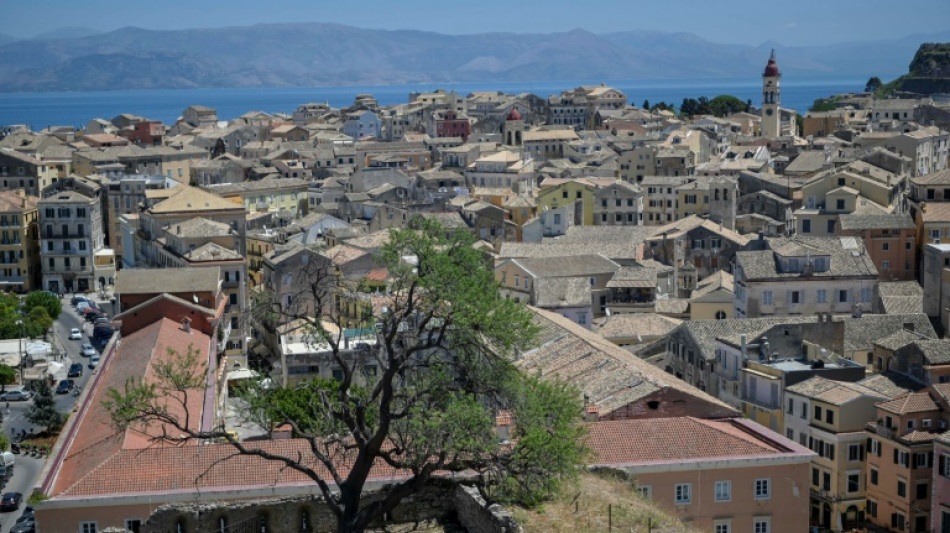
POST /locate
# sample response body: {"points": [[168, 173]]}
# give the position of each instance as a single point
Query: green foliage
{"points": [[4, 442], [424, 401], [873, 84], [36, 497], [52, 304], [7, 376], [43, 412], [823, 104], [646, 105], [719, 106]]}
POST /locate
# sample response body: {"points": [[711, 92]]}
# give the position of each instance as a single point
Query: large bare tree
{"points": [[422, 399]]}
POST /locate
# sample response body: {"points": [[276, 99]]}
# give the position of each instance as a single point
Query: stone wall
{"points": [[475, 515], [441, 500]]}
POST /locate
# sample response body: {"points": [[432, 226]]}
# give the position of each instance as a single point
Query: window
{"points": [[897, 521], [843, 296], [804, 414], [839, 204], [88, 527], [885, 265], [766, 297], [133, 524], [722, 526], [818, 413], [944, 465], [922, 460], [806, 226], [646, 492], [762, 489], [791, 406], [866, 294], [682, 493], [872, 508], [723, 491], [901, 488], [855, 452], [790, 434], [901, 458], [922, 492], [829, 416], [761, 524], [815, 477], [796, 297], [873, 477], [854, 482]]}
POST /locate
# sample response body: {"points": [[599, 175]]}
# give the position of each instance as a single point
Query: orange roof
{"points": [[96, 442], [681, 439], [915, 402]]}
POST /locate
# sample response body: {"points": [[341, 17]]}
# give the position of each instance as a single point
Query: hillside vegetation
{"points": [[593, 504]]}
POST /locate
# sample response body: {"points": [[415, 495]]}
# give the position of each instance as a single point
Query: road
{"points": [[27, 468]]}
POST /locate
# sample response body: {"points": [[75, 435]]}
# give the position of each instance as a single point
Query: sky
{"points": [[791, 23]]}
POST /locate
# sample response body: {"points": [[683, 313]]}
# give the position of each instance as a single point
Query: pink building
{"points": [[940, 500], [724, 476]]}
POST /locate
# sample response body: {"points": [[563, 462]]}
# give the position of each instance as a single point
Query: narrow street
{"points": [[27, 468]]}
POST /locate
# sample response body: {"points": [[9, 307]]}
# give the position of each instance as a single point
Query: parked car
{"points": [[65, 386], [82, 306], [28, 514], [75, 370], [94, 361], [101, 319], [88, 350], [75, 334], [76, 299], [26, 526], [15, 396], [10, 501]]}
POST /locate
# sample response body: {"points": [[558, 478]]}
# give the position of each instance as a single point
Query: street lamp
{"points": [[20, 350]]}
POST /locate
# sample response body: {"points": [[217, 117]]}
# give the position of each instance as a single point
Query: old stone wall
{"points": [[475, 515], [441, 500]]}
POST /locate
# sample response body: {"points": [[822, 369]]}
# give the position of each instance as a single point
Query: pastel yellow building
{"points": [[559, 192], [19, 242]]}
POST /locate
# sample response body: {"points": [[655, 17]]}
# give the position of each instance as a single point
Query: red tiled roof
{"points": [[674, 439], [96, 442], [914, 402], [210, 466]]}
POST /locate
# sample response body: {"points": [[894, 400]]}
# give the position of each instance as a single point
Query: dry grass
{"points": [[583, 508]]}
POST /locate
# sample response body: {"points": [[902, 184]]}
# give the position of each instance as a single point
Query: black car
{"points": [[26, 526], [75, 370], [28, 514], [10, 501], [65, 386]]}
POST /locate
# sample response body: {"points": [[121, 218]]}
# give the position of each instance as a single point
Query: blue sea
{"points": [[39, 110]]}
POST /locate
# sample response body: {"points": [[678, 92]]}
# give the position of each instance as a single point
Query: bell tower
{"points": [[771, 99]]}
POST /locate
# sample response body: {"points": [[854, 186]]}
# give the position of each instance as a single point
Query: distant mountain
{"points": [[4, 39], [331, 54], [66, 32]]}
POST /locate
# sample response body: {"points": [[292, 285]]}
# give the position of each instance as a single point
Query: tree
{"points": [[646, 105], [874, 83], [37, 322], [43, 299], [423, 401], [43, 411], [7, 376]]}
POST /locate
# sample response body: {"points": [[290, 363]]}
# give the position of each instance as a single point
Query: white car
{"points": [[88, 350], [75, 334]]}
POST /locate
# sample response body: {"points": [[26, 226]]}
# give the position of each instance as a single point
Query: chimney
{"points": [[592, 413], [186, 325], [178, 229]]}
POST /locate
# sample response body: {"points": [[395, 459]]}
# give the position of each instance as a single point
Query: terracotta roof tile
{"points": [[677, 439], [915, 402]]}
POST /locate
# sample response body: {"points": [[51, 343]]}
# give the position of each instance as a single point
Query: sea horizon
{"points": [[39, 110]]}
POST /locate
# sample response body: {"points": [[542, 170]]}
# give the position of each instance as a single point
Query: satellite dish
{"points": [[194, 297]]}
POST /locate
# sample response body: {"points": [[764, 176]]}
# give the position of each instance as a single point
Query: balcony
{"points": [[764, 404], [66, 235]]}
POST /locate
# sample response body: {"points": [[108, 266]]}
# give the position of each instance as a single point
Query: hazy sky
{"points": [[789, 22]]}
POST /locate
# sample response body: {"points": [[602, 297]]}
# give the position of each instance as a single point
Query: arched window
{"points": [[720, 315], [304, 520]]}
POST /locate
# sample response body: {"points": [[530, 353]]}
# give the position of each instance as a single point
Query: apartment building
{"points": [[71, 237], [829, 418], [900, 459], [19, 242]]}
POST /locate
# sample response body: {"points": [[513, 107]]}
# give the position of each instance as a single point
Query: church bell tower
{"points": [[771, 99]]}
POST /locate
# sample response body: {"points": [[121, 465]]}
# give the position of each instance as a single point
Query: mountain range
{"points": [[310, 54]]}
